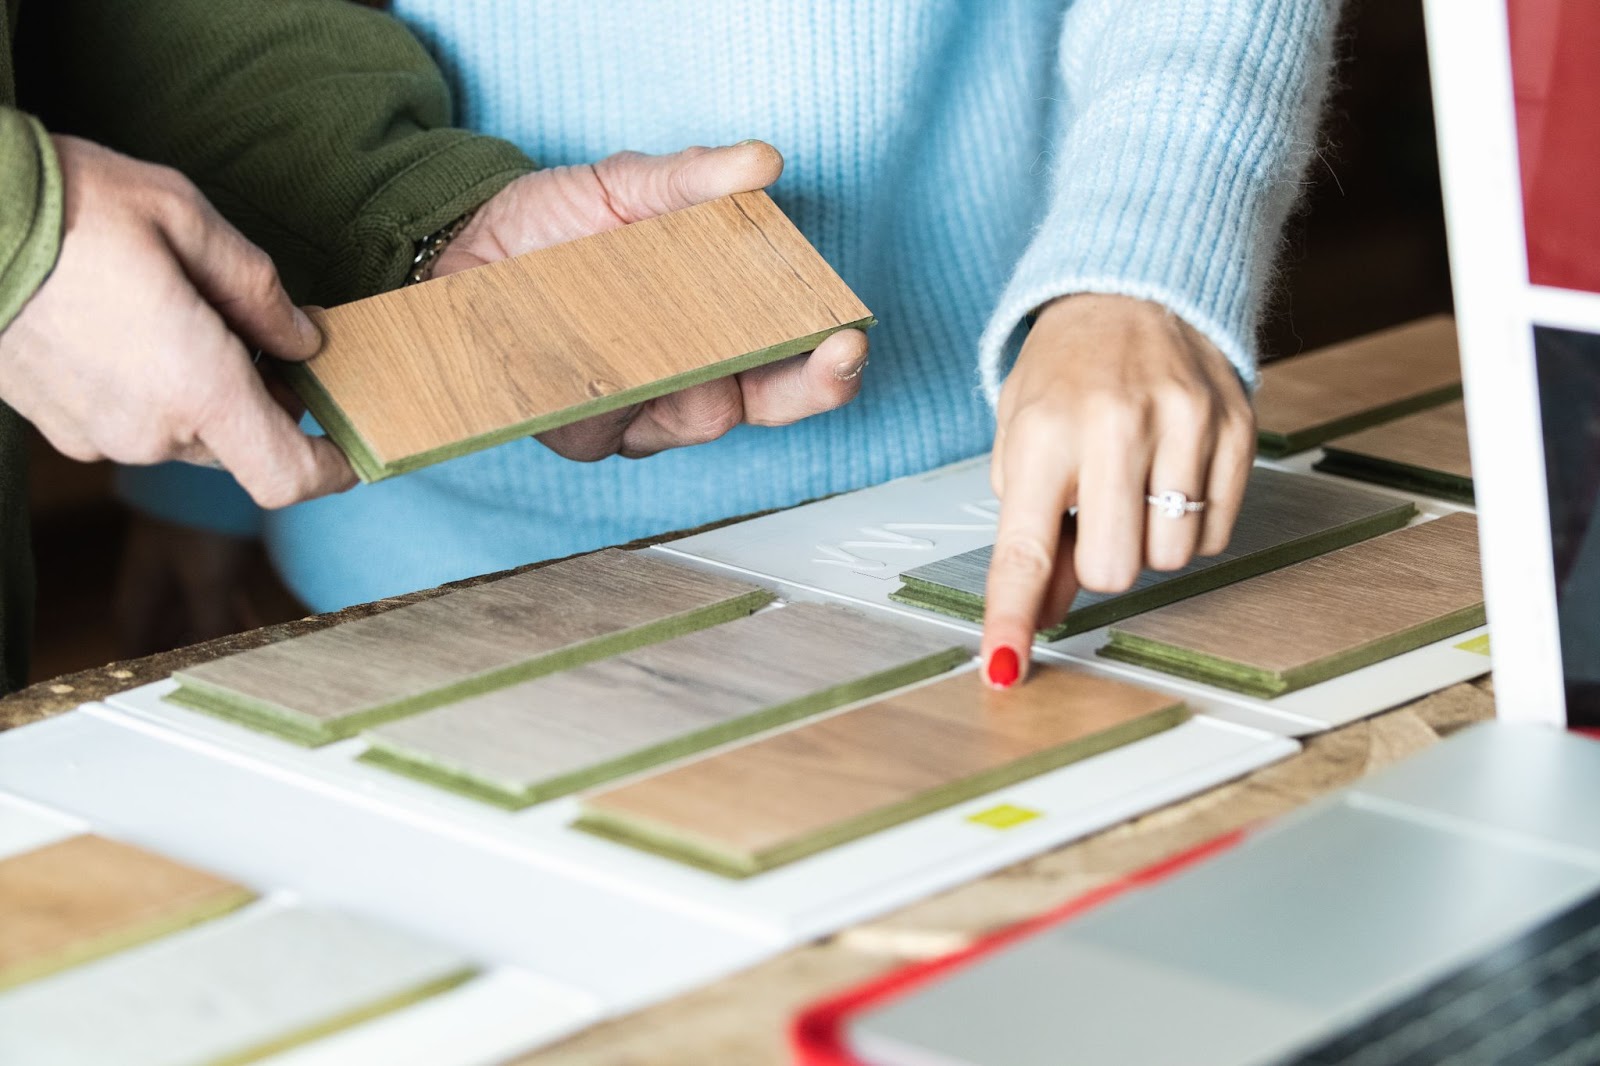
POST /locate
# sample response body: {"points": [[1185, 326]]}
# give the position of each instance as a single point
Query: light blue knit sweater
{"points": [[959, 162]]}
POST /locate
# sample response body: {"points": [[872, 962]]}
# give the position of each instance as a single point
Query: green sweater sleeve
{"points": [[319, 127], [30, 210]]}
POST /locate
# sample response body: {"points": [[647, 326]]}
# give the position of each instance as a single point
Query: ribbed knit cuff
{"points": [[188, 495], [30, 210], [1175, 179], [457, 172]]}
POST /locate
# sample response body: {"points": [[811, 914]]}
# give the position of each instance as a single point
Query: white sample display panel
{"points": [[856, 546]]}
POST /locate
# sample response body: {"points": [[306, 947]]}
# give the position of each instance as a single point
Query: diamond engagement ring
{"points": [[1174, 504]]}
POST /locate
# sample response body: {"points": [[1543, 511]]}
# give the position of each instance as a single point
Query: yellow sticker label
{"points": [[1478, 644], [1005, 816]]}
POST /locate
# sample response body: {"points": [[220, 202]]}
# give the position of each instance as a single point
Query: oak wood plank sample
{"points": [[335, 682], [80, 898], [1284, 518], [1426, 452], [230, 991], [545, 738], [1320, 618], [523, 345], [782, 797], [1307, 399]]}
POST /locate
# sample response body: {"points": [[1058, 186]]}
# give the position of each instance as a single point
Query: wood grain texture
{"points": [[541, 739], [231, 991], [1321, 618], [777, 799], [84, 897], [1284, 518], [1426, 452], [335, 682], [1311, 398], [431, 371]]}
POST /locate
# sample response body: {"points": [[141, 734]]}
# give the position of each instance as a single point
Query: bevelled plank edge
{"points": [[120, 939], [1269, 684], [370, 467], [1397, 475], [706, 854], [291, 725], [464, 781], [1273, 444], [918, 592]]}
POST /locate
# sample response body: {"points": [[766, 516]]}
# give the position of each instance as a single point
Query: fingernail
{"points": [[851, 370], [1003, 667], [748, 140], [309, 333]]}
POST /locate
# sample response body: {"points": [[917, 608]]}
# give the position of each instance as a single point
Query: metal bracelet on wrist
{"points": [[432, 246]]}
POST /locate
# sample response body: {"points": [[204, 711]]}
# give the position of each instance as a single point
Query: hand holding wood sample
{"points": [[1307, 399], [542, 340], [1426, 452], [545, 738], [335, 682], [783, 797], [1285, 518], [1321, 618]]}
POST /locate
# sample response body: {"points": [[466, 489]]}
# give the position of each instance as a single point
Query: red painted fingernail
{"points": [[1003, 667]]}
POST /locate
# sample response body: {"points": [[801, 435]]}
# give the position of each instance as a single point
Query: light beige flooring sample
{"points": [[86, 896], [545, 738], [771, 801], [335, 682], [1307, 399], [1425, 452], [231, 991], [527, 344], [1320, 618]]}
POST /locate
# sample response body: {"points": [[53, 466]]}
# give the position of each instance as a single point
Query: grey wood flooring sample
{"points": [[1284, 518], [1426, 452], [230, 991], [1320, 618], [544, 738], [335, 682]]}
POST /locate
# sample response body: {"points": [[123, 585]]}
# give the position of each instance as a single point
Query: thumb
{"points": [[641, 186], [239, 280]]}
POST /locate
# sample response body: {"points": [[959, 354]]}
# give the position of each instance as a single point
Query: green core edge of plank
{"points": [[291, 725], [514, 798], [706, 855], [1266, 684], [1395, 475], [369, 467], [915, 592]]}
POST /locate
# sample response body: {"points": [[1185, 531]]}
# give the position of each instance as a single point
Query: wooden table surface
{"points": [[743, 1019]]}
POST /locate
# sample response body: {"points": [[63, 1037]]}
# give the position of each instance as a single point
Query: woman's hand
{"points": [[1111, 400], [564, 203]]}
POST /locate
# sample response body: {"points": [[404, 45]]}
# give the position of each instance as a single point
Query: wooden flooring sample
{"points": [[86, 896], [232, 991], [335, 682], [1307, 399], [1425, 452], [1285, 518], [523, 345], [774, 800], [541, 739], [1321, 618]]}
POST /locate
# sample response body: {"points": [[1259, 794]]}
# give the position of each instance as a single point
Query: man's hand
{"points": [[1112, 399], [134, 349], [564, 203]]}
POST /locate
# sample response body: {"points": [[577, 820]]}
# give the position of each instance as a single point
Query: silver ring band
{"points": [[1174, 504]]}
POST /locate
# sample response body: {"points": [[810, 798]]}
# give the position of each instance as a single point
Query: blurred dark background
{"points": [[1367, 250]]}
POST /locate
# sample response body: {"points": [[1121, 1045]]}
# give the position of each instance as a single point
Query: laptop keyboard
{"points": [[1532, 1002]]}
